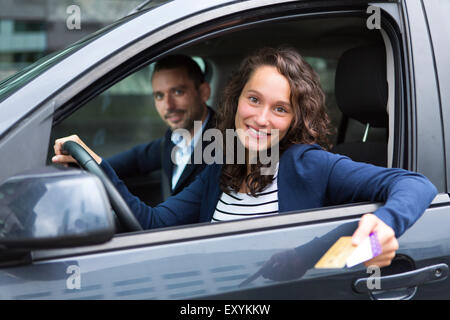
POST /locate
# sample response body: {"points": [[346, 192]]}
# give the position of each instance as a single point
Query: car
{"points": [[383, 66]]}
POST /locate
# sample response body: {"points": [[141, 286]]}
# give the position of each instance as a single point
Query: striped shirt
{"points": [[235, 205]]}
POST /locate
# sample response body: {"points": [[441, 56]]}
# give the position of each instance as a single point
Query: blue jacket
{"points": [[308, 177]]}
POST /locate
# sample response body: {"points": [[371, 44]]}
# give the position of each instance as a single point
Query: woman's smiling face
{"points": [[264, 112]]}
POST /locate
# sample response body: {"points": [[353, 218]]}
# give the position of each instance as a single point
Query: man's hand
{"points": [[386, 237], [61, 157]]}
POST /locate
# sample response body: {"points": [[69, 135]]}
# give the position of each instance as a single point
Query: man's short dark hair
{"points": [[179, 61]]}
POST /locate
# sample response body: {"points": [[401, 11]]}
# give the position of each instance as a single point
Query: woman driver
{"points": [[275, 102]]}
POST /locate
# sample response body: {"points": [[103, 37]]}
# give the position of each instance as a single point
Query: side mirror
{"points": [[54, 208]]}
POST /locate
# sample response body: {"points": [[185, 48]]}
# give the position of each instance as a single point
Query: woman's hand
{"points": [[61, 156], [386, 237]]}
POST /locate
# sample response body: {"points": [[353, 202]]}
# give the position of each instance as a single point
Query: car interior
{"points": [[354, 64]]}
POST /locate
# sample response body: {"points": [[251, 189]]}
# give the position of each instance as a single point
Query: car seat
{"points": [[361, 91]]}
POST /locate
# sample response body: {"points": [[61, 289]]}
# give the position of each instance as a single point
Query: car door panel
{"points": [[173, 271], [340, 285], [228, 266], [425, 100]]}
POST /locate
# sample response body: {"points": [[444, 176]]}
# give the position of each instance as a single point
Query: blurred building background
{"points": [[31, 29]]}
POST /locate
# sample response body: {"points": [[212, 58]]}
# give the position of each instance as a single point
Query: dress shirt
{"points": [[183, 150]]}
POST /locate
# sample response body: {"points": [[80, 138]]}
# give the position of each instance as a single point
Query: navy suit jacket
{"points": [[146, 158], [308, 177]]}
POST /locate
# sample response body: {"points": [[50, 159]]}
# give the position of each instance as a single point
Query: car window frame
{"points": [[437, 22], [422, 103], [189, 232]]}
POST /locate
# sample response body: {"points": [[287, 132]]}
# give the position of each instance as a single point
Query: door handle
{"points": [[413, 278]]}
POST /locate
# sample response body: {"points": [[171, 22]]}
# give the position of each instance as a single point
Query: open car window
{"points": [[123, 115]]}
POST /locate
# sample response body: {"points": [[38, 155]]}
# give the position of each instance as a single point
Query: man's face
{"points": [[178, 101]]}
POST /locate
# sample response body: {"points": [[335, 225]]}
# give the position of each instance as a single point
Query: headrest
{"points": [[361, 86]]}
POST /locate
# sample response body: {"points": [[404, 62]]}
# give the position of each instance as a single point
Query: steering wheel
{"points": [[123, 213]]}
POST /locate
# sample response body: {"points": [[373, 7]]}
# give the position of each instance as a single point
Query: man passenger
{"points": [[180, 93]]}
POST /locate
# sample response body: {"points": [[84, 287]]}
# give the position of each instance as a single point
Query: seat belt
{"points": [[165, 184]]}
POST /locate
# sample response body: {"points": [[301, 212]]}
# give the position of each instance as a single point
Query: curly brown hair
{"points": [[310, 125]]}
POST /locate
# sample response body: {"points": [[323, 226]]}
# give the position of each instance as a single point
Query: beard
{"points": [[194, 114]]}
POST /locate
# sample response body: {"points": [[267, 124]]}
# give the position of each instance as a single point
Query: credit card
{"points": [[369, 248], [336, 256], [343, 253]]}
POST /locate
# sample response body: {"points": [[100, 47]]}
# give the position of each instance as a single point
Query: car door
{"points": [[263, 258], [238, 260], [436, 14]]}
